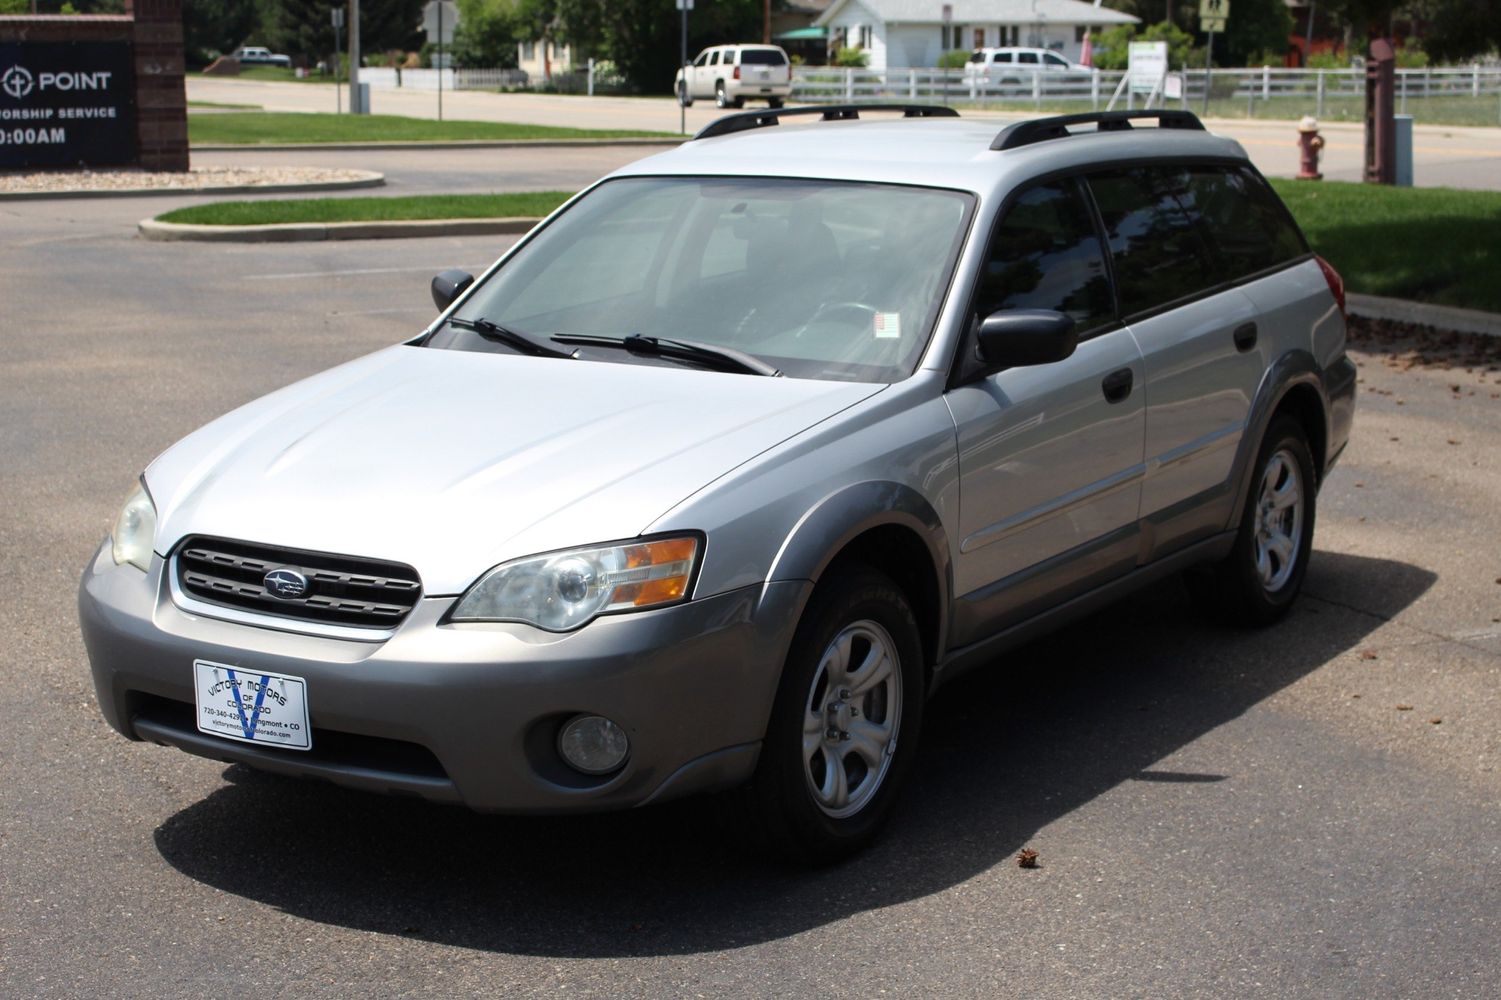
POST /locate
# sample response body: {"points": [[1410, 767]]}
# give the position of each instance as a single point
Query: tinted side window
{"points": [[1158, 251], [1243, 220], [1026, 57], [1046, 255], [762, 57]]}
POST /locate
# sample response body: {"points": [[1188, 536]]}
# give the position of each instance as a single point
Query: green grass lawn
{"points": [[260, 127], [1429, 244], [281, 74], [1436, 245], [437, 206]]}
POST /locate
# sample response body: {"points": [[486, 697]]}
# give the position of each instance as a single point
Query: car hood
{"points": [[454, 461]]}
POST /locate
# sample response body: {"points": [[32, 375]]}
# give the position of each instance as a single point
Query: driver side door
{"points": [[1050, 456]]}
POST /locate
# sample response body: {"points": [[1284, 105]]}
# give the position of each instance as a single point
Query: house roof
{"points": [[985, 12]]}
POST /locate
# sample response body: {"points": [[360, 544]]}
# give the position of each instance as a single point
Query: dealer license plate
{"points": [[252, 706]]}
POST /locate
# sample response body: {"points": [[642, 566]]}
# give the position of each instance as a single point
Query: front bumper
{"points": [[463, 713]]}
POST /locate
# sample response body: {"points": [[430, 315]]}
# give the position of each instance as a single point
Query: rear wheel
{"points": [[683, 97], [773, 102], [1258, 581], [722, 98], [844, 727]]}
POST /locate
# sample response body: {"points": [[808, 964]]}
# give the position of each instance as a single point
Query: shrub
{"points": [[953, 59], [852, 58]]}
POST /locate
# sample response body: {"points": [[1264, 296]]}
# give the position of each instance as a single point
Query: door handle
{"points": [[1117, 385], [1245, 337]]}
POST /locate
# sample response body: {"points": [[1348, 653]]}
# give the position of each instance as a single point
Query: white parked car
{"points": [[256, 55], [731, 73], [1012, 65]]}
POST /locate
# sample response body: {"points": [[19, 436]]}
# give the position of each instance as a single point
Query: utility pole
{"points": [[338, 22], [766, 22], [684, 6], [356, 105], [440, 60]]}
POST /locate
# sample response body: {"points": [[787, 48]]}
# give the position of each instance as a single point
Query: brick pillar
{"points": [[161, 95]]}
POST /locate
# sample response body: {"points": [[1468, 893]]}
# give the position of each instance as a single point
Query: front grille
{"points": [[340, 590]]}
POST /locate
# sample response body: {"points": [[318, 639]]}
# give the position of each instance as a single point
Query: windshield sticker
{"points": [[888, 326]]}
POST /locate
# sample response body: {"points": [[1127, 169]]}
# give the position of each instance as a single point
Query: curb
{"points": [[291, 147], [1423, 314], [370, 180], [307, 232]]}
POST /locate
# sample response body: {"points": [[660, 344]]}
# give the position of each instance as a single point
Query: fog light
{"points": [[593, 744]]}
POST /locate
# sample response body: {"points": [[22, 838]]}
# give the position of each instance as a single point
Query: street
{"points": [[1442, 155], [1309, 810]]}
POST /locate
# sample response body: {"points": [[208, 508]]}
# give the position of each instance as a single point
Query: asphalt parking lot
{"points": [[1310, 810]]}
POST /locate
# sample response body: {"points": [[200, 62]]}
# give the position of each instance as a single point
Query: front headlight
{"points": [[561, 591], [135, 530]]}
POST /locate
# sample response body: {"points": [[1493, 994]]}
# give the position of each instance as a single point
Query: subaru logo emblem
{"points": [[286, 584], [17, 82]]}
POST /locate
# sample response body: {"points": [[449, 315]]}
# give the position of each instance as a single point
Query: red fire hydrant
{"points": [[1309, 143]]}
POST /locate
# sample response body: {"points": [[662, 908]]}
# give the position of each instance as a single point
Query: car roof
{"points": [[931, 152]]}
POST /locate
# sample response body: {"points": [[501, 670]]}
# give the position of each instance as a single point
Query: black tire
{"points": [[848, 602], [683, 97], [1236, 590], [773, 102], [721, 99]]}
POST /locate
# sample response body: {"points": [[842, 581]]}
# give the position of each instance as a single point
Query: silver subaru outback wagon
{"points": [[722, 470]]}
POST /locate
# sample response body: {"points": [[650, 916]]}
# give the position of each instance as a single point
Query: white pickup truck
{"points": [[256, 55]]}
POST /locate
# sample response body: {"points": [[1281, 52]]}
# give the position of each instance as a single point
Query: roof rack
{"points": [[1043, 129], [745, 120]]}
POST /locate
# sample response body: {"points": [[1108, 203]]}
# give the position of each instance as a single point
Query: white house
{"points": [[914, 33]]}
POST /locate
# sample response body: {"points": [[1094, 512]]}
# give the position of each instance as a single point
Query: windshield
{"points": [[820, 279]]}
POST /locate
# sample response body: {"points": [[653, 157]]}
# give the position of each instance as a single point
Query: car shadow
{"points": [[1005, 752]]}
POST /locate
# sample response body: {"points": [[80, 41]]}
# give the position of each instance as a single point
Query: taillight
{"points": [[737, 72], [1336, 284]]}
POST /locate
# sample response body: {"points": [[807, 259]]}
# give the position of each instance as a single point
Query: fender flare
{"points": [[1293, 369], [837, 519]]}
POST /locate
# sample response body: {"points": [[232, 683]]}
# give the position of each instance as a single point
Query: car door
{"points": [[1050, 456], [696, 74], [1199, 337]]}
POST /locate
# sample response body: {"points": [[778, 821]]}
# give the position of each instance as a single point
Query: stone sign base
{"points": [[61, 116]]}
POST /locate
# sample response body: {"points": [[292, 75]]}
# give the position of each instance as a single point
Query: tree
{"points": [[213, 27], [1256, 31], [486, 34], [1459, 30], [305, 27], [642, 36], [1112, 46]]}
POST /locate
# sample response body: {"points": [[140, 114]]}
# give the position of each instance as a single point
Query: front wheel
{"points": [[1258, 581], [845, 723]]}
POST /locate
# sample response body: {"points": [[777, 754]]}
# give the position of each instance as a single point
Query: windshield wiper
{"points": [[491, 330], [725, 359]]}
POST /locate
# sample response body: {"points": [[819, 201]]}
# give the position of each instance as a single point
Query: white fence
{"points": [[1266, 86], [579, 81]]}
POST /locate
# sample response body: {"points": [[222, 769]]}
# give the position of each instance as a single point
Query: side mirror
{"points": [[1016, 338], [449, 285]]}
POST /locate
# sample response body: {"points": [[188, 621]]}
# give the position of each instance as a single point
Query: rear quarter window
{"points": [[762, 57], [1158, 248], [1244, 220]]}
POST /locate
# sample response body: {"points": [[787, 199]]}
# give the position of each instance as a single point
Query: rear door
{"points": [[1050, 456], [1199, 334]]}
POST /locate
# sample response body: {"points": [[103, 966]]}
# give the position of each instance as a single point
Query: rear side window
{"points": [[762, 57], [1045, 254], [1026, 57], [1244, 220], [1157, 248]]}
